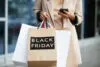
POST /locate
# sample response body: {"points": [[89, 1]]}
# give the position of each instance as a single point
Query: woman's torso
{"points": [[58, 21], [53, 5]]}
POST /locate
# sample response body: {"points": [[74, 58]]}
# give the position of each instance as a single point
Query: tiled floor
{"points": [[91, 53], [90, 50]]}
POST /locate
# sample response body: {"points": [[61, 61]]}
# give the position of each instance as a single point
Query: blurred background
{"points": [[15, 12]]}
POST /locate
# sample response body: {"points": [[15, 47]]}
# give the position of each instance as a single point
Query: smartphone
{"points": [[62, 10]]}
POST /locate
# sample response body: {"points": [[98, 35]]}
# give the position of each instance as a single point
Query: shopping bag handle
{"points": [[40, 26], [46, 24]]}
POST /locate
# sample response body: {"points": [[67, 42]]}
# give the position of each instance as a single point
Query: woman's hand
{"points": [[67, 15], [44, 15]]}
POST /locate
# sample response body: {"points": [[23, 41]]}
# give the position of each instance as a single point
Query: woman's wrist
{"points": [[74, 20], [71, 17]]}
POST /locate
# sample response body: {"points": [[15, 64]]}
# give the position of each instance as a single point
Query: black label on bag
{"points": [[42, 43]]}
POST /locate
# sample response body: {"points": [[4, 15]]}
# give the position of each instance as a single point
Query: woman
{"points": [[52, 11]]}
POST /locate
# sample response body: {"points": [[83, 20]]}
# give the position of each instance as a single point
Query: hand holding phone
{"points": [[66, 14], [62, 10]]}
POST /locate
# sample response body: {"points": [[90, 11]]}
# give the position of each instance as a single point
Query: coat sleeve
{"points": [[37, 9], [37, 6], [79, 11]]}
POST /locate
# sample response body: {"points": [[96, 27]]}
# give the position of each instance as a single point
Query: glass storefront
{"points": [[2, 42], [2, 38], [98, 16], [2, 31], [20, 11], [2, 8]]}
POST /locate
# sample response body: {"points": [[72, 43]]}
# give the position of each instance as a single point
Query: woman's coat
{"points": [[75, 7]]}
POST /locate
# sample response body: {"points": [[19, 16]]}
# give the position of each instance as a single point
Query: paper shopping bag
{"points": [[20, 52], [41, 47]]}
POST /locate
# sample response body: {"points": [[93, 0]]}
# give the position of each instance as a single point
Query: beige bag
{"points": [[44, 51], [41, 47]]}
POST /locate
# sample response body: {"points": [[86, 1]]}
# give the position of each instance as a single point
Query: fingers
{"points": [[64, 15], [47, 15], [70, 15], [44, 16]]}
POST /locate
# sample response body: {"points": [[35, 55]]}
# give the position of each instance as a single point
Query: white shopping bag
{"points": [[20, 53], [62, 41]]}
